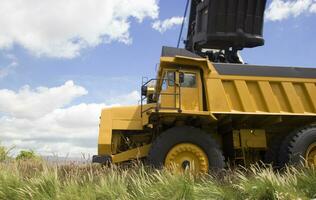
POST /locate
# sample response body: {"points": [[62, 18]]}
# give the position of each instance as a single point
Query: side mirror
{"points": [[181, 77], [144, 90]]}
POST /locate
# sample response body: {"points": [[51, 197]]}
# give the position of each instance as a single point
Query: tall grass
{"points": [[35, 179], [4, 154]]}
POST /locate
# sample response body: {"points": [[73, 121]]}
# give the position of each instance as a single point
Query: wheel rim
{"points": [[187, 156], [311, 155]]}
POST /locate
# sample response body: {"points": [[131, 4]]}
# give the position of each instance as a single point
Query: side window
{"points": [[188, 80], [164, 83], [171, 78]]}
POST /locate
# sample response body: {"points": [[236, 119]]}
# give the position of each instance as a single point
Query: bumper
{"points": [[102, 159]]}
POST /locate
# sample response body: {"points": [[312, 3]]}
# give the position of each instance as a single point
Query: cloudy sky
{"points": [[62, 61]]}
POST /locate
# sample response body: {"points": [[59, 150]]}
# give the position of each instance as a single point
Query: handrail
{"points": [[158, 95]]}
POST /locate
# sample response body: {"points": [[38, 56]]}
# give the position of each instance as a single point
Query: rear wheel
{"points": [[299, 147], [186, 148]]}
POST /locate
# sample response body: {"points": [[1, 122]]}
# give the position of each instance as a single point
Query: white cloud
{"points": [[58, 129], [163, 26], [313, 7], [28, 103], [58, 28], [62, 131], [279, 10]]}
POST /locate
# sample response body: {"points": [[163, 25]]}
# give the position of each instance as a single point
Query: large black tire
{"points": [[186, 134], [295, 145]]}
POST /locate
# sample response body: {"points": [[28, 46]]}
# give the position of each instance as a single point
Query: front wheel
{"points": [[186, 148]]}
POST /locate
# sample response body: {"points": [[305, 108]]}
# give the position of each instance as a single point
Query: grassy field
{"points": [[35, 179], [30, 177]]}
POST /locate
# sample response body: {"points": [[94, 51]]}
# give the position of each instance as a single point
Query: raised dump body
{"points": [[201, 115], [222, 24]]}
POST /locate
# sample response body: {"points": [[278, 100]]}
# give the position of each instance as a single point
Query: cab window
{"points": [[164, 84], [169, 80], [188, 80]]}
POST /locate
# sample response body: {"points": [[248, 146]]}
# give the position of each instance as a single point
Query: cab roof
{"points": [[172, 52]]}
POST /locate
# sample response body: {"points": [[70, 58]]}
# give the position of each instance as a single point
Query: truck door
{"points": [[191, 90], [168, 98]]}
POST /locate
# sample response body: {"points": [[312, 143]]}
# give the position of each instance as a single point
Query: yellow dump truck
{"points": [[206, 110]]}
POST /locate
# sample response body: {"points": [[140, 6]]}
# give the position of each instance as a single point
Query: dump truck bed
{"points": [[255, 89]]}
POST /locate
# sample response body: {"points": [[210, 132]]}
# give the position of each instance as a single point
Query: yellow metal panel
{"points": [[257, 97], [268, 96], [105, 133], [203, 114], [118, 118], [311, 91], [232, 96], [216, 96], [280, 95], [126, 112], [191, 97], [202, 63], [244, 96], [261, 96], [294, 101], [265, 114], [127, 124], [131, 154], [263, 78], [302, 94], [167, 100], [246, 138]]}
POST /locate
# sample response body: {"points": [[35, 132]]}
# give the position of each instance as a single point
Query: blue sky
{"points": [[100, 69], [109, 72]]}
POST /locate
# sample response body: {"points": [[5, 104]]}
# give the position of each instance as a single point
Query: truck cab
{"points": [[182, 89]]}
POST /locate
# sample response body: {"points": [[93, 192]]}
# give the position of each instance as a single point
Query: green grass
{"points": [[27, 155], [4, 154], [33, 178]]}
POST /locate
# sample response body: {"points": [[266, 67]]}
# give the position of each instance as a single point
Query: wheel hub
{"points": [[187, 156], [186, 164], [311, 155]]}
